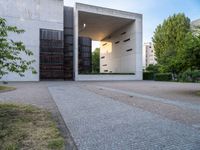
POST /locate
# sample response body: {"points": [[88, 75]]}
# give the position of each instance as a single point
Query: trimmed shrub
{"points": [[148, 76], [153, 68], [196, 75], [163, 77], [190, 76]]}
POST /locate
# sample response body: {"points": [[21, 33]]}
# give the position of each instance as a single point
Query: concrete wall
{"points": [[31, 15], [117, 53]]}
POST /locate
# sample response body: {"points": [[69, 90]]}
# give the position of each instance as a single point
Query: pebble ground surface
{"points": [[118, 116], [123, 115]]}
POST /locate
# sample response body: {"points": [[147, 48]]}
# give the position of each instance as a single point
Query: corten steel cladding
{"points": [[51, 54], [57, 51], [85, 55], [68, 43]]}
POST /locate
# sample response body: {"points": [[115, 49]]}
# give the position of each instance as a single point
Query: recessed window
{"points": [[123, 33], [128, 50], [105, 70], [105, 65], [86, 63], [104, 44], [117, 42], [127, 40], [102, 57]]}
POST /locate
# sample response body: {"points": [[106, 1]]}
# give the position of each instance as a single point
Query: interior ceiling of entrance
{"points": [[98, 27]]}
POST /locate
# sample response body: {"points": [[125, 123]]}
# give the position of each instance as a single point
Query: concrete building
{"points": [[31, 15], [60, 38], [149, 54], [195, 22]]}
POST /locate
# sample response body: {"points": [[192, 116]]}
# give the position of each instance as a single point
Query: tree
{"points": [[190, 56], [152, 68], [169, 42], [11, 51], [96, 60]]}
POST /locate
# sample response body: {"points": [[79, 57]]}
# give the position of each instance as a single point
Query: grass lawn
{"points": [[6, 88], [28, 128], [198, 93]]}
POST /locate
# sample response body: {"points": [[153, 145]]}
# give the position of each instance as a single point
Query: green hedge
{"points": [[148, 76], [163, 77], [196, 75], [190, 76]]}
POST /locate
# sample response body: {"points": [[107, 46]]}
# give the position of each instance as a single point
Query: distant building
{"points": [[195, 22], [149, 54]]}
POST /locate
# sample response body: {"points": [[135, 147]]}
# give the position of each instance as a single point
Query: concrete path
{"points": [[101, 123]]}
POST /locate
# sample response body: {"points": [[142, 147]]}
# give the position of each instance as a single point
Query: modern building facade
{"points": [[195, 22], [60, 38], [150, 57]]}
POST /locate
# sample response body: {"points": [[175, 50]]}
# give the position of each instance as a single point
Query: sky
{"points": [[154, 11]]}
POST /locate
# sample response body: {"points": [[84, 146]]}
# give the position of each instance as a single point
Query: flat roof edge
{"points": [[195, 22], [80, 6]]}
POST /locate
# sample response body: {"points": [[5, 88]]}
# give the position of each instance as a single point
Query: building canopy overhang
{"points": [[99, 26]]}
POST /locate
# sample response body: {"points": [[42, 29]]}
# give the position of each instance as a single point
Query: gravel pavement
{"points": [[100, 122], [123, 115]]}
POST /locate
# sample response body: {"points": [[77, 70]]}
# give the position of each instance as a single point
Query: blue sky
{"points": [[154, 11]]}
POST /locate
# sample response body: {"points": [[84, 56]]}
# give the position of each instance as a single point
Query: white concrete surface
{"points": [[31, 15], [108, 77], [119, 57]]}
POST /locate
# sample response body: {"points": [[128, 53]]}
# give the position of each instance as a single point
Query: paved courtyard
{"points": [[131, 115], [120, 115]]}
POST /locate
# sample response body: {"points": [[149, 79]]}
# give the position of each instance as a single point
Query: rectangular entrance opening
{"points": [[116, 40]]}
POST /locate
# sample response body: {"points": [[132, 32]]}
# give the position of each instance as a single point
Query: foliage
{"points": [[96, 61], [153, 68], [163, 77], [190, 55], [6, 88], [196, 30], [28, 127], [10, 52], [148, 75], [169, 42], [190, 76], [177, 47]]}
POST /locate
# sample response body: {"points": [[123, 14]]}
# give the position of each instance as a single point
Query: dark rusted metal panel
{"points": [[85, 55], [68, 43], [51, 55], [57, 51]]}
